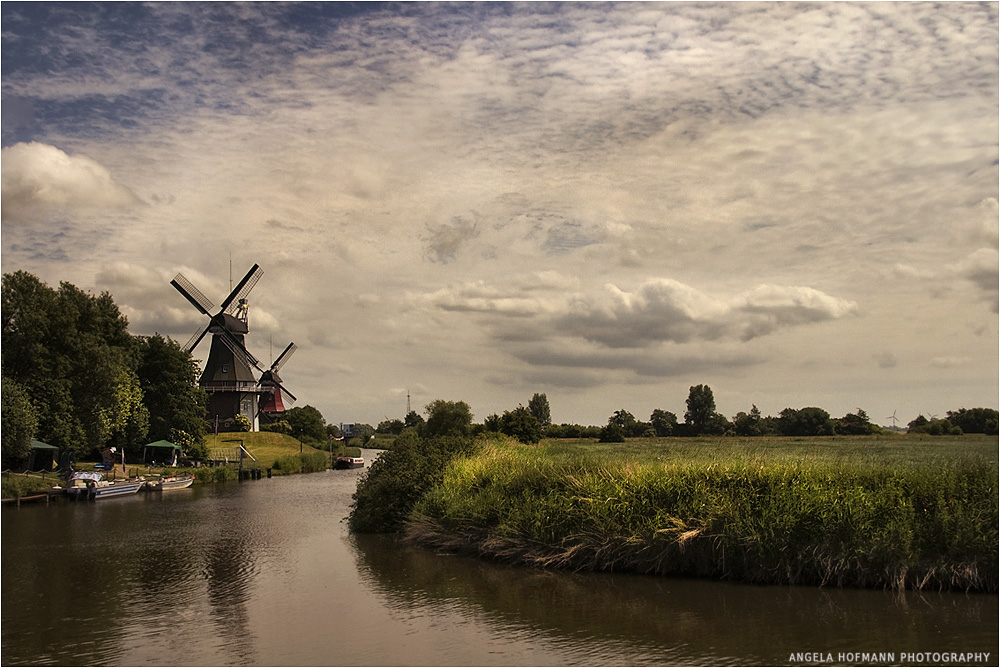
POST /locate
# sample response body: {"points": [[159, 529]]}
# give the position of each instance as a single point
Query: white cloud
{"points": [[474, 197], [38, 178]]}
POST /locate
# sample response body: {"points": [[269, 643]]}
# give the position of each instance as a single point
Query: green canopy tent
{"points": [[42, 456], [169, 452]]}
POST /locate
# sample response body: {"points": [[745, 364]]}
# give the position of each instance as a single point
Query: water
{"points": [[265, 573]]}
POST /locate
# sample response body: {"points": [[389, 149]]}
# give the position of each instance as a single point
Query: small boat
{"points": [[85, 485], [349, 463], [169, 482]]}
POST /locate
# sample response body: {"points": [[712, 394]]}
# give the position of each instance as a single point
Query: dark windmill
{"points": [[228, 377], [274, 398]]}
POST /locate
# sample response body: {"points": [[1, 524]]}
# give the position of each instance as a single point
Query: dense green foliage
{"points": [[539, 409], [19, 420], [859, 513], [90, 382], [447, 418], [522, 424], [168, 377], [399, 478], [306, 424]]}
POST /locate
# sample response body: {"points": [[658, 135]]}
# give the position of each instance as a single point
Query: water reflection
{"points": [[640, 619], [265, 573]]}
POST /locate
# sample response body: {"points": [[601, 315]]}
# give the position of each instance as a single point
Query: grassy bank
{"points": [[279, 452], [891, 512]]}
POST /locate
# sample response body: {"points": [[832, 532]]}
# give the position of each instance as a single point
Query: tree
{"points": [[935, 427], [975, 420], [73, 355], [701, 416], [612, 433], [19, 419], [445, 418], [539, 408], [625, 421], [856, 424], [748, 424], [394, 426], [413, 419], [168, 377], [664, 423], [492, 423], [522, 424], [307, 424], [809, 421]]}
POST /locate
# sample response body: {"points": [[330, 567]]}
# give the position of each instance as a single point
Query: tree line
{"points": [[74, 377], [531, 423]]}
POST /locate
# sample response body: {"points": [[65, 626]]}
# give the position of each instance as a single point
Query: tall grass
{"points": [[744, 514]]}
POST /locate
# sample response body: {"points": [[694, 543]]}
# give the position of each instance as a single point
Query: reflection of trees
{"points": [[671, 620], [228, 571]]}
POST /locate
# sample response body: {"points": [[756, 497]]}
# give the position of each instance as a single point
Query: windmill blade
{"points": [[196, 338], [242, 288], [192, 294], [283, 357], [288, 394], [239, 350]]}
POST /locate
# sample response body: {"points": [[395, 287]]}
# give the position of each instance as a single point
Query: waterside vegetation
{"points": [[892, 511]]}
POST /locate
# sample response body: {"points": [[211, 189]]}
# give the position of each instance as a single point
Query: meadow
{"points": [[893, 511]]}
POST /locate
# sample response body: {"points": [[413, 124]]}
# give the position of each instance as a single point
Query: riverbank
{"points": [[894, 513], [280, 453]]}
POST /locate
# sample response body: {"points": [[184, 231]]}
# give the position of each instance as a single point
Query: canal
{"points": [[266, 573]]}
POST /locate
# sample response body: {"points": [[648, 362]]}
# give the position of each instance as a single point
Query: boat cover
{"points": [[86, 475]]}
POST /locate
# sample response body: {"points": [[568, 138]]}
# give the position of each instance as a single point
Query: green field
{"points": [[893, 511]]}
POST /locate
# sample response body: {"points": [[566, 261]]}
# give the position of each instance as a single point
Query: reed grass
{"points": [[757, 511]]}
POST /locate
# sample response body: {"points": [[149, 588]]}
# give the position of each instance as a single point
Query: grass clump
{"points": [[16, 485], [306, 462], [745, 514]]}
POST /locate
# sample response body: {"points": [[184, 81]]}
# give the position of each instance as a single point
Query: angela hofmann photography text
{"points": [[906, 658]]}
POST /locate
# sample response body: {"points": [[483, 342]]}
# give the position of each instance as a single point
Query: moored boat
{"points": [[170, 482], [86, 485], [349, 463]]}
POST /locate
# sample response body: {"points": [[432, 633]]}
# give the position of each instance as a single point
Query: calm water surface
{"points": [[265, 573]]}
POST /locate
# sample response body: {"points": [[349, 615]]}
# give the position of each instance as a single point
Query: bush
{"points": [[612, 433], [399, 478]]}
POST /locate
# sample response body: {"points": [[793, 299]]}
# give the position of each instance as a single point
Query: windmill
{"points": [[893, 418], [273, 395], [228, 377]]}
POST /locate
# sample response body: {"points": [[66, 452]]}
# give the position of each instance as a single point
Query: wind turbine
{"points": [[893, 418]]}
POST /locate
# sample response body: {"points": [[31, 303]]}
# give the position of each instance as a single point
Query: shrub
{"points": [[241, 423], [612, 433], [399, 478]]}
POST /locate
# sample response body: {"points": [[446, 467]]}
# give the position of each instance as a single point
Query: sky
{"points": [[795, 204]]}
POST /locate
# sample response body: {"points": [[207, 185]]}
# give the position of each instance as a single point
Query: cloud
{"points": [[443, 242], [886, 360], [667, 310], [38, 178], [982, 269]]}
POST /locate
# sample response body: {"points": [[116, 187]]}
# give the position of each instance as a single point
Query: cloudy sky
{"points": [[608, 203]]}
